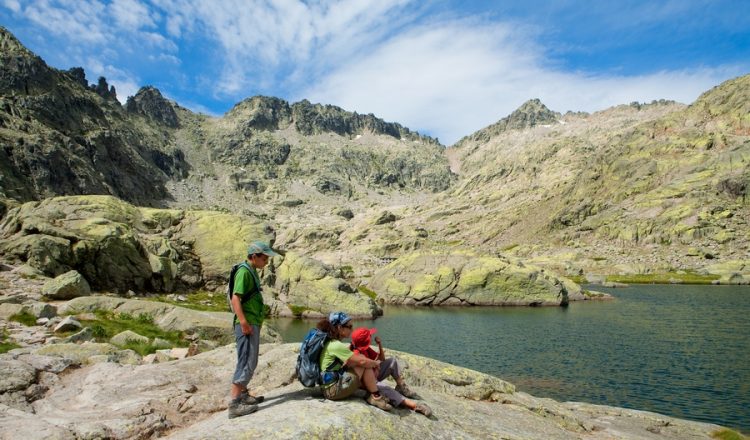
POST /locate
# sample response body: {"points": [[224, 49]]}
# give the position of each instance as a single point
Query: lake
{"points": [[679, 350]]}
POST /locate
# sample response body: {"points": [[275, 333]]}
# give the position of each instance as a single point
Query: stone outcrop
{"points": [[69, 285], [149, 102], [117, 246], [186, 399], [309, 288], [529, 114], [269, 113], [62, 137], [467, 278]]}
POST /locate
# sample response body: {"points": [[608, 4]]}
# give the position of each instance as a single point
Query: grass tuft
{"points": [[24, 318], [5, 345], [107, 324]]}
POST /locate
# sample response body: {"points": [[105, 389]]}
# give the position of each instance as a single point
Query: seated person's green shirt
{"points": [[247, 283], [334, 350]]}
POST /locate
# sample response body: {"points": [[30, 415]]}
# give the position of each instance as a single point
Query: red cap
{"points": [[361, 336]]}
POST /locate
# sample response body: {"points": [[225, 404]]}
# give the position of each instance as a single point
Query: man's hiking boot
{"points": [[237, 409], [247, 399], [381, 402], [422, 408], [405, 391]]}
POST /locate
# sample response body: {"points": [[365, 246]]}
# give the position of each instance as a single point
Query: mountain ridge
{"points": [[594, 188]]}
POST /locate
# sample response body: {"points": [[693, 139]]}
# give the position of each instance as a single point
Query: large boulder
{"points": [[312, 289], [128, 336], [117, 246], [187, 398], [69, 285], [466, 278]]}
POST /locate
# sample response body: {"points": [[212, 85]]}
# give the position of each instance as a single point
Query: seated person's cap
{"points": [[258, 247], [338, 318], [361, 336]]}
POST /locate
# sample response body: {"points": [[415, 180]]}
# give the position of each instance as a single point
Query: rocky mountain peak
{"points": [[262, 112], [149, 102], [9, 44], [529, 114], [730, 99], [269, 113], [21, 71]]}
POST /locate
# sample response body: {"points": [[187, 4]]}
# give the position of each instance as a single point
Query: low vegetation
{"points": [[5, 344], [107, 324], [297, 310], [664, 278], [367, 292], [201, 300], [24, 318]]}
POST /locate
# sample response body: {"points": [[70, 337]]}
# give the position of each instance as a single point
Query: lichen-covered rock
{"points": [[731, 272], [466, 278], [187, 398], [9, 309], [117, 246], [310, 288], [125, 337], [69, 285]]}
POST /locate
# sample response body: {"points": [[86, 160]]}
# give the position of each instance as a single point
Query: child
{"points": [[388, 367]]}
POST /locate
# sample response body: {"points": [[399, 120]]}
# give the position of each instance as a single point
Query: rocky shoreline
{"points": [[70, 398], [54, 387]]}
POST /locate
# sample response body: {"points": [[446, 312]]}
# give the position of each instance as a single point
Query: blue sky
{"points": [[444, 68]]}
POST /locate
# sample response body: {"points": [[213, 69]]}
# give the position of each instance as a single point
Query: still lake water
{"points": [[683, 351]]}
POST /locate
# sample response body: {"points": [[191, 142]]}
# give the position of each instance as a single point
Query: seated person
{"points": [[343, 371], [389, 367]]}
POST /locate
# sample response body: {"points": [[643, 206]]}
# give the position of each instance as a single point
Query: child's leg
{"points": [[394, 397], [409, 404]]}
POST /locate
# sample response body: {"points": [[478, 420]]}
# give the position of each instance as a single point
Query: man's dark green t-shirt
{"points": [[247, 282]]}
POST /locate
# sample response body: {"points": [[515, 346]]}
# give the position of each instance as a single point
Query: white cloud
{"points": [[261, 38], [79, 20], [131, 14], [13, 5], [452, 79]]}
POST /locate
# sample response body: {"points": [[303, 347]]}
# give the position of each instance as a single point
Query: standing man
{"points": [[249, 311]]}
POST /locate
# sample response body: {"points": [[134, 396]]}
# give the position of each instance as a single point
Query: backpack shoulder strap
{"points": [[245, 298]]}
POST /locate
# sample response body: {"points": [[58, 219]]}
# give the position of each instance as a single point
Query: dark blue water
{"points": [[677, 350]]}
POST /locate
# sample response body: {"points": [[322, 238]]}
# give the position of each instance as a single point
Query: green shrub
{"points": [[297, 310], [142, 348], [98, 332], [144, 318]]}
